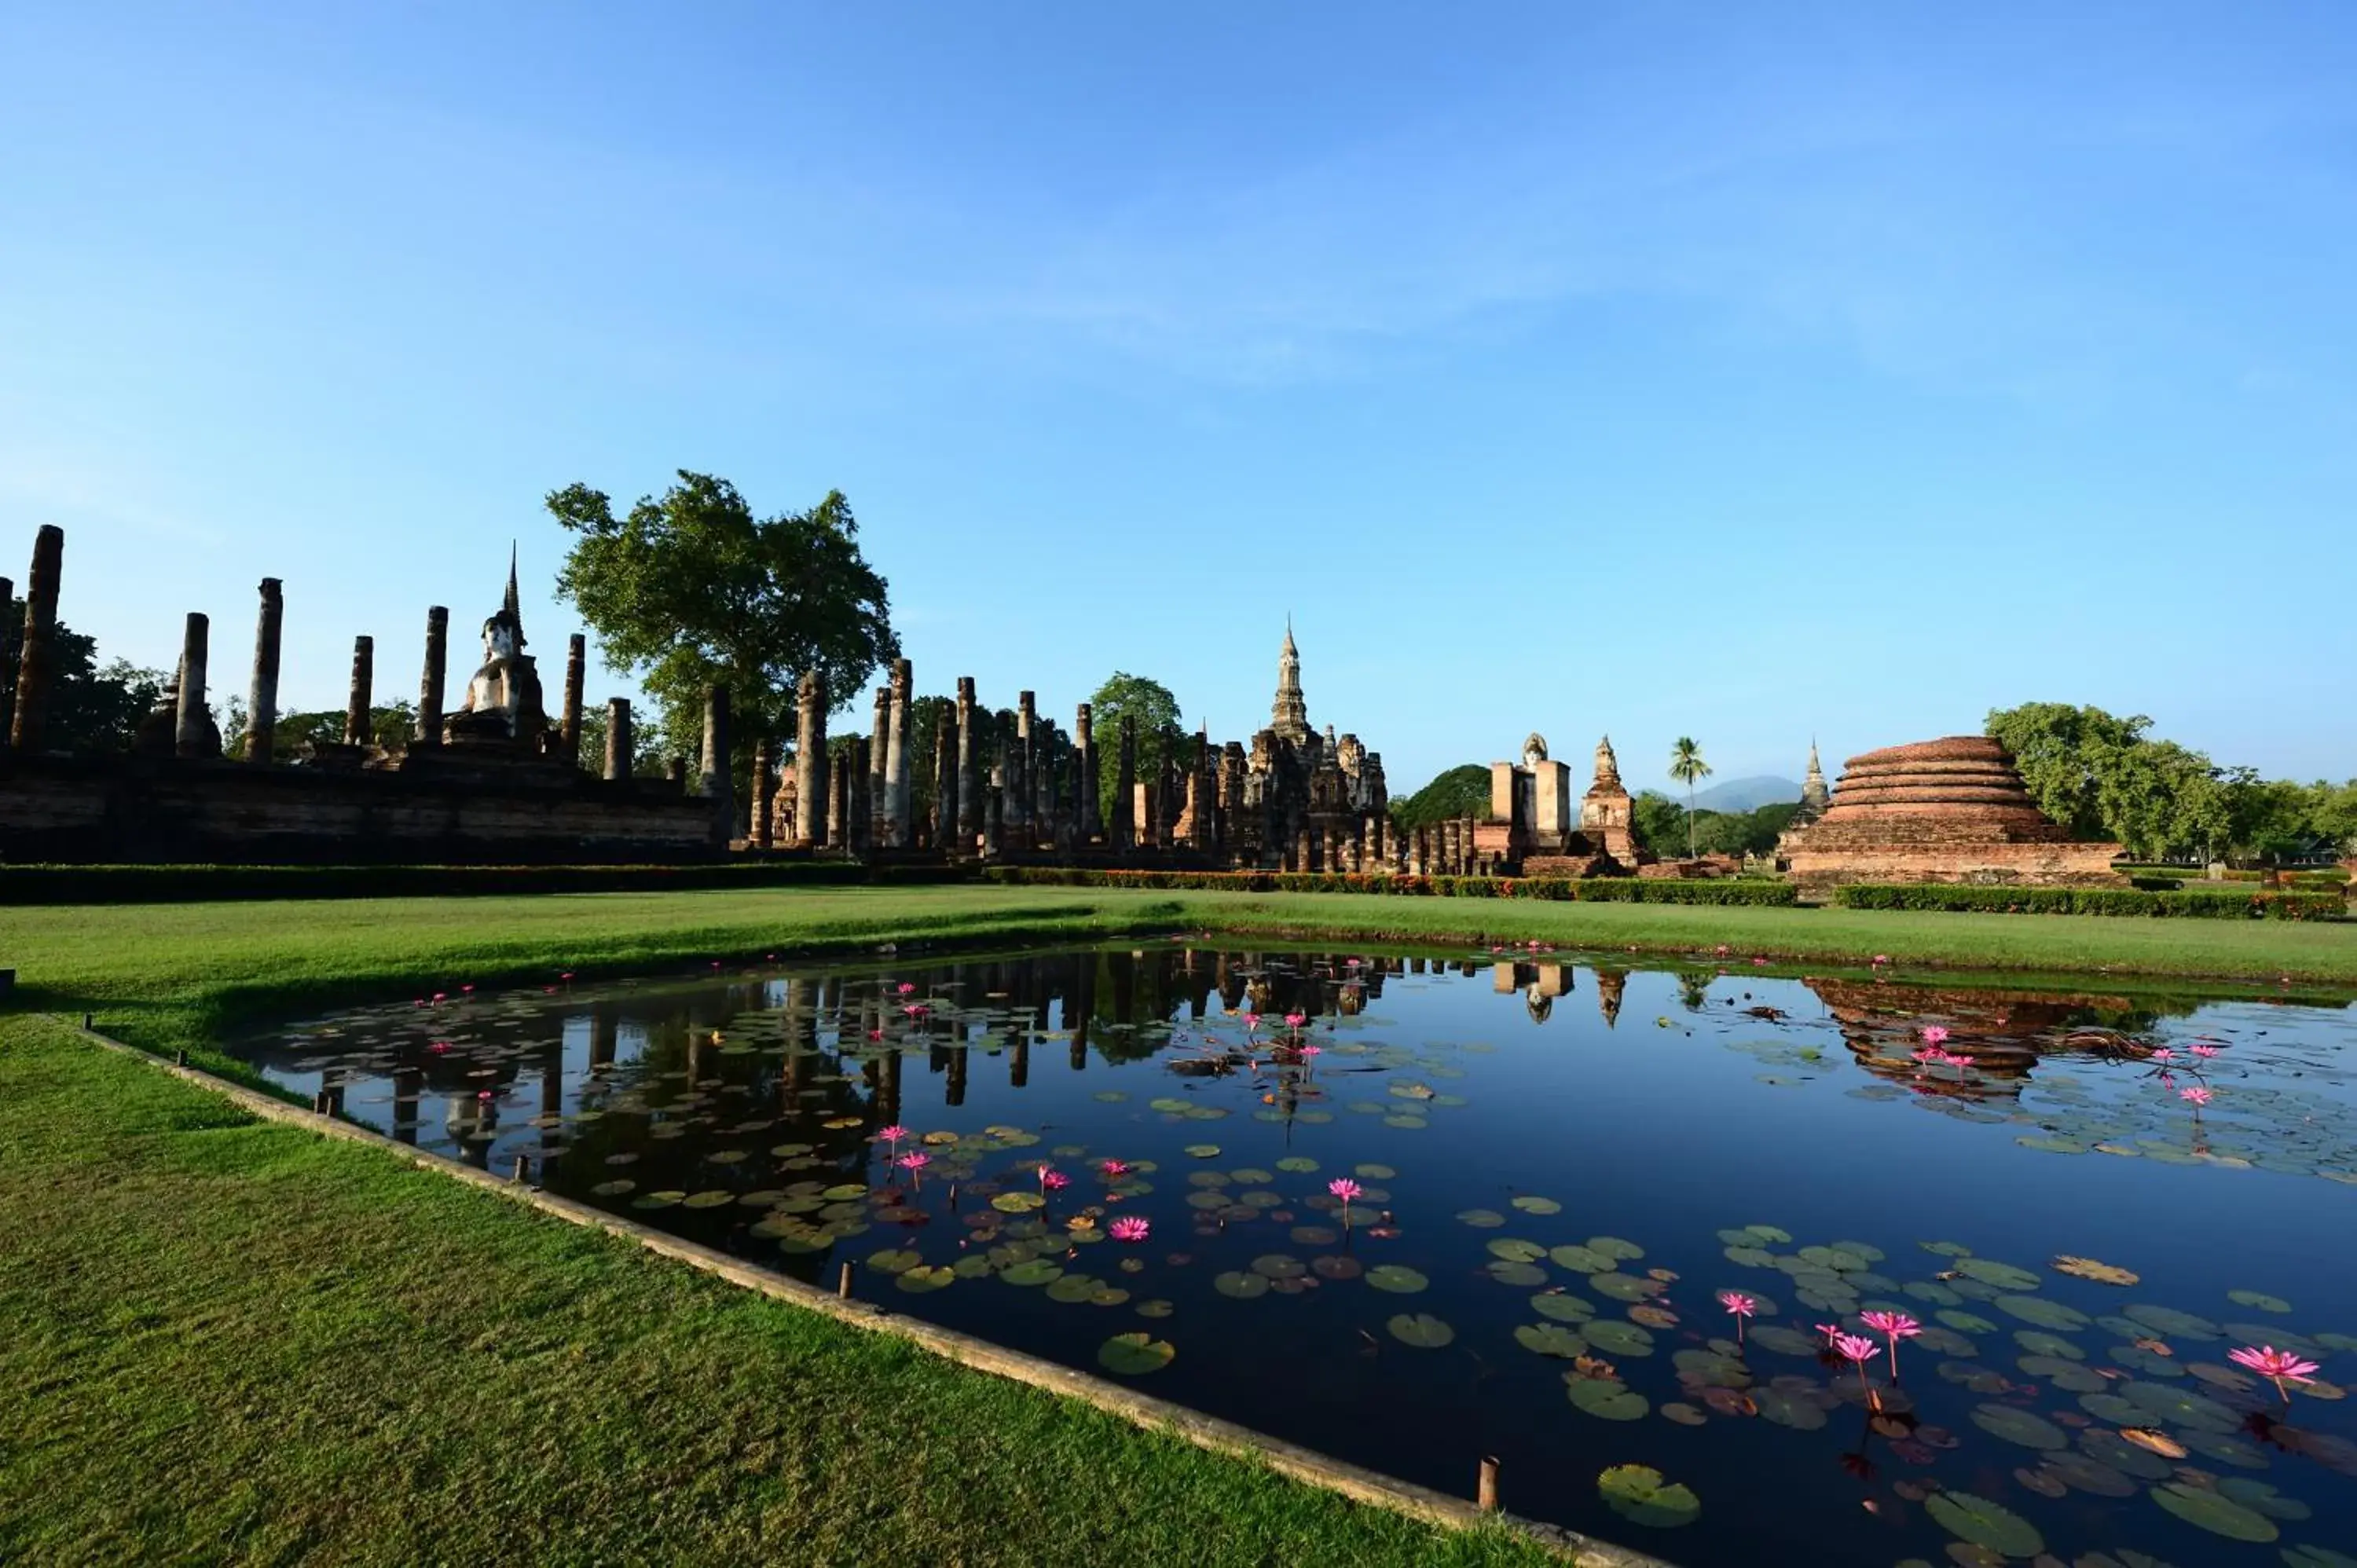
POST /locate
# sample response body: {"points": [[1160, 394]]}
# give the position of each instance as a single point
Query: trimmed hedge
{"points": [[1557, 889], [2191, 905], [2318, 876], [196, 883]]}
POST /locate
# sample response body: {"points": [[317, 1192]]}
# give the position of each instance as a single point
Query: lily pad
{"points": [[2089, 1268], [1984, 1523], [1785, 1408], [1073, 1289], [1613, 1247], [1240, 1285], [1482, 1219], [2044, 1312], [918, 1281], [1625, 1287], [2039, 1343], [2108, 1448], [1296, 1163], [894, 1260], [1783, 1341], [1581, 1259], [2018, 1425], [1617, 1338], [1530, 1204], [1550, 1339], [2215, 1512], [1562, 1307], [1279, 1266], [2004, 1276], [1523, 1275], [1605, 1399], [1204, 1151], [2171, 1324], [1396, 1278], [1514, 1251], [1037, 1271], [1017, 1202], [1420, 1330], [2181, 1407], [1132, 1355], [1637, 1493]]}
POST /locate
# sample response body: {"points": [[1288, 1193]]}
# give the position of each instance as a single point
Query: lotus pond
{"points": [[1727, 1265]]}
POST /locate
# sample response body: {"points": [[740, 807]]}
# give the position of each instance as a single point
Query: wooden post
{"points": [[843, 1283], [1486, 1499]]}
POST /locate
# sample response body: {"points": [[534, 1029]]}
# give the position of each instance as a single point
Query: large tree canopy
{"points": [[691, 589], [93, 707], [1149, 703], [1461, 791]]}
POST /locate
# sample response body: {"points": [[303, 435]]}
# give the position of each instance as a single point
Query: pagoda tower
{"points": [[1290, 715], [1814, 794]]}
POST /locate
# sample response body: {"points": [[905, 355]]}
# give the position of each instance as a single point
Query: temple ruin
{"points": [[1535, 829], [1939, 811]]}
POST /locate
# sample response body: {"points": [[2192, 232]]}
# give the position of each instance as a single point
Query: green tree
{"points": [[1149, 703], [1687, 767], [1658, 822], [93, 707], [691, 589], [2066, 756], [390, 727], [1461, 791]]}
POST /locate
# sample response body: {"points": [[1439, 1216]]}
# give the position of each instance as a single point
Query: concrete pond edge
{"points": [[1362, 1486]]}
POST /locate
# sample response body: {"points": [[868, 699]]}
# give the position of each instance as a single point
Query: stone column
{"points": [[810, 758], [429, 684], [7, 663], [839, 775], [617, 738], [568, 733], [765, 764], [358, 730], [36, 657], [877, 780], [262, 697], [969, 768], [192, 731], [716, 779], [1015, 751], [945, 781], [900, 831], [1084, 784], [993, 809], [1045, 749], [1125, 789]]}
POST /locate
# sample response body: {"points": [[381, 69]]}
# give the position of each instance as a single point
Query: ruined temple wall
{"points": [[2023, 864], [117, 810]]}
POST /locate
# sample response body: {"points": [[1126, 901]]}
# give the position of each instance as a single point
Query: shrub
{"points": [[1557, 889], [2191, 905]]}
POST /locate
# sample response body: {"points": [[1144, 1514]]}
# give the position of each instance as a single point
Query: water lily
{"points": [[1128, 1228], [1897, 1326], [1880, 959], [1832, 1331], [907, 987], [1251, 1022], [2163, 1054], [1741, 1305], [1294, 1020], [1053, 1180], [1934, 1034], [1346, 1190], [914, 1163], [1112, 1170], [2205, 1052], [1860, 1349], [2274, 1365], [2196, 1095]]}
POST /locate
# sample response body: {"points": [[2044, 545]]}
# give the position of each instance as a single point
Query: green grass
{"points": [[234, 1340]]}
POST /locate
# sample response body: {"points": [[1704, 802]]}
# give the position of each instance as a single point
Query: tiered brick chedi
{"points": [[1940, 811]]}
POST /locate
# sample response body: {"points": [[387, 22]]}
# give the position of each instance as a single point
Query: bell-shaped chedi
{"points": [[1940, 811]]}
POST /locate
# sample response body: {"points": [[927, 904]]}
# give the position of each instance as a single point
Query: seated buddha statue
{"points": [[504, 701]]}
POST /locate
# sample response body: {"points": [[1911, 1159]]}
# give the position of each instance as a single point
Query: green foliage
{"points": [[1155, 710], [2106, 778], [646, 761], [2186, 904], [692, 589], [93, 707], [1461, 791], [391, 728], [1687, 767], [193, 884], [1662, 826]]}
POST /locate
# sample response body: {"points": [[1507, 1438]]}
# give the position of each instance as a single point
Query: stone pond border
{"points": [[1308, 1465]]}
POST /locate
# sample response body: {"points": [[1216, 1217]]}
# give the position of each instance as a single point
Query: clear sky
{"points": [[1744, 371]]}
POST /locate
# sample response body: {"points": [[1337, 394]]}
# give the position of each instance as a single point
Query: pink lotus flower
{"points": [[1723, 950], [2276, 1365], [1880, 959], [892, 1134], [468, 990], [1759, 963], [1346, 1190], [1934, 1034], [1251, 1022], [1112, 1170], [482, 1094], [915, 1009], [1741, 1305], [1860, 1349], [1311, 1051], [1897, 1326], [906, 988], [1053, 1180], [2162, 1055], [1832, 1331], [914, 1163], [440, 1046], [2205, 1052], [1294, 1020], [2195, 1095], [441, 996], [1128, 1228]]}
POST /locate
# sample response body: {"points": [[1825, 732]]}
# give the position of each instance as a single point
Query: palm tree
{"points": [[1686, 765]]}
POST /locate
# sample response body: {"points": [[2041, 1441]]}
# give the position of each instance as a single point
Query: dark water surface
{"points": [[1561, 1166]]}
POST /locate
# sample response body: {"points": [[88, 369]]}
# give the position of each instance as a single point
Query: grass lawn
{"points": [[230, 1339]]}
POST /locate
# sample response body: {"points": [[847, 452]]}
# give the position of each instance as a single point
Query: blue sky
{"points": [[1739, 371]]}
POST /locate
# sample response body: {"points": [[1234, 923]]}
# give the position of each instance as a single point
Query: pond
{"points": [[1416, 1210]]}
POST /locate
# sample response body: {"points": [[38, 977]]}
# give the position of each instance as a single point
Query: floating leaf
{"points": [[1521, 1275], [1204, 1151], [2089, 1268], [1769, 1234], [1617, 1338], [2041, 1311], [1420, 1330], [1625, 1287], [1708, 1368], [1515, 1251], [1279, 1266], [2215, 1512], [2018, 1425], [2004, 1276], [1581, 1260], [1613, 1247], [1482, 1219], [1982, 1523], [2042, 1343], [2181, 1407], [2108, 1448], [1777, 1338], [1038, 1271], [1786, 1407], [1563, 1308], [1132, 1355], [1296, 1163], [1637, 1494], [1531, 1205], [2068, 1376], [1396, 1278], [1550, 1339], [2260, 1496], [919, 1280], [2171, 1324], [1242, 1286], [1154, 1308], [1017, 1202], [614, 1188], [893, 1261], [1373, 1172], [1606, 1399]]}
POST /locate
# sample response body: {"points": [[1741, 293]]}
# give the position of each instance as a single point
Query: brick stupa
{"points": [[1940, 811]]}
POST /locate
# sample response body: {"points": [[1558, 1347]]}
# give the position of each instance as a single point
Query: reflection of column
{"points": [[407, 1081], [958, 1055], [603, 1033], [887, 1091], [1082, 1007]]}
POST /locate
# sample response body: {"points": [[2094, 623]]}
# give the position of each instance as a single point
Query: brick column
{"points": [[430, 680], [37, 654], [262, 694]]}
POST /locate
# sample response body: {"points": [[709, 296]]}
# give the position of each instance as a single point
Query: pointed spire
{"points": [[512, 607]]}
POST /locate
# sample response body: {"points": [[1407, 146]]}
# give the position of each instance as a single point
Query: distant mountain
{"points": [[1742, 794]]}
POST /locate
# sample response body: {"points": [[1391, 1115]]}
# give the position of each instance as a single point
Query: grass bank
{"points": [[232, 1340]]}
